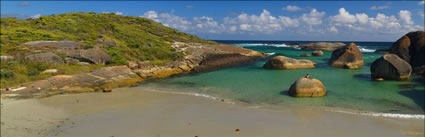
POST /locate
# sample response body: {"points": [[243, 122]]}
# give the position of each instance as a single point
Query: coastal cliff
{"points": [[83, 52]]}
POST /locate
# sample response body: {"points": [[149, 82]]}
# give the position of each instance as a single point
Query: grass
{"points": [[135, 38]]}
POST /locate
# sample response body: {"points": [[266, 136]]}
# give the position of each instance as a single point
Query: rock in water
{"points": [[306, 87], [390, 67], [44, 58], [282, 62], [411, 48], [349, 57], [305, 55], [317, 53]]}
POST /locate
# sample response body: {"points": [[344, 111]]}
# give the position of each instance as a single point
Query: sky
{"points": [[254, 20]]}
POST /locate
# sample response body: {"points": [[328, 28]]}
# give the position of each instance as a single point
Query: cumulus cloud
{"points": [[36, 16], [422, 2], [313, 18], [291, 8], [118, 13], [312, 22], [379, 7]]}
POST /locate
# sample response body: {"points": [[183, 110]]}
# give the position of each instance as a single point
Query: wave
{"points": [[388, 115], [262, 44], [362, 49]]}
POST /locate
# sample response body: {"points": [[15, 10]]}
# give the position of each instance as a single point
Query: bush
{"points": [[6, 73]]}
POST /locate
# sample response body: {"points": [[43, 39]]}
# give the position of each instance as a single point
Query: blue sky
{"points": [[242, 20]]}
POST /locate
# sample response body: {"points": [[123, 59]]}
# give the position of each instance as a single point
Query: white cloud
{"points": [[313, 18], [291, 8], [422, 2], [118, 13], [314, 22], [36, 16], [406, 17], [379, 7], [421, 13]]}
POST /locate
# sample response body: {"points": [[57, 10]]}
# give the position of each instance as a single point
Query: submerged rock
{"points": [[307, 87], [305, 55], [317, 53], [411, 48], [48, 57], [390, 67], [349, 57], [282, 62], [382, 51]]}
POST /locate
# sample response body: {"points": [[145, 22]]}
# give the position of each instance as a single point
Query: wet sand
{"points": [[139, 112]]}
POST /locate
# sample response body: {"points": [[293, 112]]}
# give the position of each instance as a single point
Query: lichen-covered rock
{"points": [[6, 58], [390, 67], [411, 48], [317, 53], [92, 55], [71, 61], [49, 58], [132, 65], [306, 87], [282, 62], [60, 44], [349, 57]]}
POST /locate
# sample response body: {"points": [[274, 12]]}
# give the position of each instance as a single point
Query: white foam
{"points": [[263, 44], [389, 115], [366, 50], [269, 54]]}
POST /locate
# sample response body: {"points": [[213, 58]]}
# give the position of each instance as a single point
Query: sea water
{"points": [[347, 89]]}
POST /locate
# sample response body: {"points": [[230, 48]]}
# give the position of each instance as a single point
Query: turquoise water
{"points": [[351, 89]]}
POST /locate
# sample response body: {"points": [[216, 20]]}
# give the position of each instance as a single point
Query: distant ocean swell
{"points": [[362, 48]]}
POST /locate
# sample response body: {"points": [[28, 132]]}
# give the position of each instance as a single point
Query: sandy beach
{"points": [[139, 112]]}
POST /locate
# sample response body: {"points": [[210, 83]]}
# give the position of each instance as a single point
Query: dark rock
{"points": [[390, 67], [307, 87], [349, 57], [411, 48], [317, 53], [282, 62], [382, 51], [49, 58], [218, 61]]}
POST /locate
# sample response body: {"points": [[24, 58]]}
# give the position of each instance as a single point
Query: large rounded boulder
{"points": [[349, 57], [411, 48], [307, 87], [390, 67], [282, 62], [317, 53]]}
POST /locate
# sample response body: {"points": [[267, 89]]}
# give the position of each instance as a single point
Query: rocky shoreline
{"points": [[197, 58]]}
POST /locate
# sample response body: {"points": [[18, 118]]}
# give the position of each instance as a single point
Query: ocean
{"points": [[351, 90]]}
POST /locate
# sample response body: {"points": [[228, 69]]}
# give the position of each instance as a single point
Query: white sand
{"points": [[136, 112]]}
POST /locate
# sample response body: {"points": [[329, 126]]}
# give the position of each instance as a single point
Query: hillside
{"points": [[124, 38], [137, 38]]}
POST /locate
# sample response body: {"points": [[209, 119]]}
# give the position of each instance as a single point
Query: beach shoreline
{"points": [[138, 111]]}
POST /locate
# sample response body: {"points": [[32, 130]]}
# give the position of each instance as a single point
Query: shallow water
{"points": [[349, 89]]}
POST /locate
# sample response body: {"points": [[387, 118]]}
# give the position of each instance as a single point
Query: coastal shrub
{"points": [[6, 73]]}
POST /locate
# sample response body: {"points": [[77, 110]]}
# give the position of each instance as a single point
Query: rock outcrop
{"points": [[108, 77], [349, 57], [306, 87], [317, 53], [49, 58], [325, 46], [92, 55], [6, 58], [59, 44], [411, 48], [390, 67], [282, 62]]}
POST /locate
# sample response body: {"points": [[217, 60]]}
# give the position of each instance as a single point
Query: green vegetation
{"points": [[128, 39]]}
